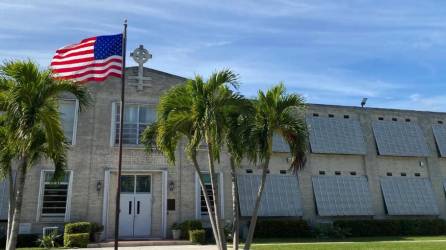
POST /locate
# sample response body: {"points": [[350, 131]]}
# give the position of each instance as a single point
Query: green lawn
{"points": [[381, 243]]}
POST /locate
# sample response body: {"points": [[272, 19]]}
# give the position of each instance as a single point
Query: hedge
{"points": [[365, 228], [77, 227], [76, 240], [197, 236], [282, 228], [188, 225]]}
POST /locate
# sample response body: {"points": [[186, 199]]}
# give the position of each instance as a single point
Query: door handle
{"points": [[137, 208], [130, 207]]}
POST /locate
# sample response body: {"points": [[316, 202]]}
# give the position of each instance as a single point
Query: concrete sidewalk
{"points": [[185, 247]]}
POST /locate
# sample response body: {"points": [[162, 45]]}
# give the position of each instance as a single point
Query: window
{"points": [[55, 196], [202, 210], [68, 115], [136, 119], [208, 185]]}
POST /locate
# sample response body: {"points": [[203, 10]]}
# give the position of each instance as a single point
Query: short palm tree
{"points": [[29, 102], [277, 113], [197, 110]]}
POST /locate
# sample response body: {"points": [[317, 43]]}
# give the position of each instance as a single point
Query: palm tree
{"points": [[29, 102], [239, 145], [6, 156], [174, 123], [197, 111], [277, 113]]}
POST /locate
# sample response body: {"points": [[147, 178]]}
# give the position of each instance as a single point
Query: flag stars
{"points": [[107, 46]]}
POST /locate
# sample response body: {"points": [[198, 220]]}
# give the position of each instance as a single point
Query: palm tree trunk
{"points": [[252, 225], [11, 190], [220, 229], [235, 208], [20, 184], [207, 200]]}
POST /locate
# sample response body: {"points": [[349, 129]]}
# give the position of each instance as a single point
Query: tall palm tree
{"points": [[197, 110], [7, 154], [277, 113], [239, 145], [29, 101], [172, 125]]}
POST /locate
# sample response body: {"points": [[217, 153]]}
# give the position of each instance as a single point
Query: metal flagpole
{"points": [[121, 126]]}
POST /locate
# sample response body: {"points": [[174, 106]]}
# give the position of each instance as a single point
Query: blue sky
{"points": [[333, 52]]}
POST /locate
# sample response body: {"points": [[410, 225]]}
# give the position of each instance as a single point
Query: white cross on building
{"points": [[140, 55]]}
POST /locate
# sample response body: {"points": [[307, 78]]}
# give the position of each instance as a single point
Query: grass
{"points": [[375, 243]]}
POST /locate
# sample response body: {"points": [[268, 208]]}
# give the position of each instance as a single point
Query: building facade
{"points": [[363, 163]]}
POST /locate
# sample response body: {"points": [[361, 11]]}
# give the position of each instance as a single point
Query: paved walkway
{"points": [[185, 247]]}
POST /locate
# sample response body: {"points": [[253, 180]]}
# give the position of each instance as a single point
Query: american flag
{"points": [[93, 59]]}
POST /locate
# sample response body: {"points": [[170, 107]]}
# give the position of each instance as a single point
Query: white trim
{"points": [[105, 202], [39, 198], [70, 192], [197, 197], [75, 118], [222, 196], [164, 205], [113, 124], [41, 191], [198, 193], [164, 174]]}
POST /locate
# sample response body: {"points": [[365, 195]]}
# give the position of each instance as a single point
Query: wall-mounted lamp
{"points": [[98, 186], [171, 185], [421, 164]]}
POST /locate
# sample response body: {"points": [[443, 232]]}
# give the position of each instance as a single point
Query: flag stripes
{"points": [[93, 59]]}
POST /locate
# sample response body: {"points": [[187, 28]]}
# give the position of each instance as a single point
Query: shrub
{"points": [[77, 227], [49, 241], [328, 230], [95, 228], [197, 236], [282, 228], [188, 225], [76, 240], [209, 234], [366, 228]]}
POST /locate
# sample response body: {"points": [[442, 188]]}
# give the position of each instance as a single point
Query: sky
{"points": [[331, 52]]}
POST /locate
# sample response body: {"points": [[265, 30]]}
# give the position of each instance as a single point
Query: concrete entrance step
{"points": [[138, 243]]}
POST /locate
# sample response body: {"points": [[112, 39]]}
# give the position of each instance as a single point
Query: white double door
{"points": [[136, 206]]}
